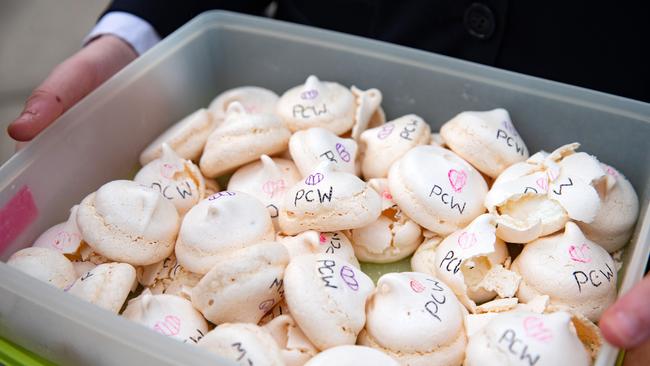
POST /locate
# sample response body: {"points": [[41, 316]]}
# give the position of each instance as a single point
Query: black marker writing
{"points": [[559, 191], [447, 199], [308, 195], [509, 337]]}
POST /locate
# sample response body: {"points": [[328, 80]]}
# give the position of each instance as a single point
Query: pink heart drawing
{"points": [[322, 238], [343, 153], [220, 194], [580, 254], [387, 195], [167, 170], [466, 240], [309, 94], [314, 179], [170, 326], [535, 328], [271, 187], [611, 171], [542, 183], [551, 175], [507, 125], [416, 286], [457, 179], [266, 305], [64, 238], [385, 130]]}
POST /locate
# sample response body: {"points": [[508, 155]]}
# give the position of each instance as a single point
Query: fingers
{"points": [[70, 82], [626, 324]]}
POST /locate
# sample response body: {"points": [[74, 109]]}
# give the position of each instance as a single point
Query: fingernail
{"points": [[26, 116]]}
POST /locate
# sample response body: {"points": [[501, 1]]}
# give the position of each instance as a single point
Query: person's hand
{"points": [[626, 324], [69, 82]]}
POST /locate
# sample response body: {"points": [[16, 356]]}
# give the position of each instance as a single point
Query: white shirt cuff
{"points": [[132, 29]]}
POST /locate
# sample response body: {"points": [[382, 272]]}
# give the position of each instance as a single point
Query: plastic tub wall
{"points": [[100, 140]]}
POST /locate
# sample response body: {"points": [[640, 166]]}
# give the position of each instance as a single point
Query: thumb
{"points": [[626, 324], [70, 82]]}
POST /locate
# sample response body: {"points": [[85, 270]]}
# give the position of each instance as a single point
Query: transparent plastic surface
{"points": [[100, 140]]}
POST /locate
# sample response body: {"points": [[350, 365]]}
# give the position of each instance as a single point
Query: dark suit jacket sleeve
{"points": [[167, 15]]}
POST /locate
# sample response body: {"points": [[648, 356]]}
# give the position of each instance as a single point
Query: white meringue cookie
{"points": [[87, 254], [392, 237], [64, 237], [487, 140], [352, 356], [389, 239], [437, 188], [224, 222], [128, 222], [211, 186], [177, 179], [253, 98], [245, 344], [187, 137], [384, 145], [318, 104], [416, 319], [537, 197], [527, 339], [267, 180], [328, 200], [243, 285], [106, 285], [313, 242], [241, 139], [316, 145], [167, 277], [45, 264], [471, 262], [295, 347], [368, 113], [572, 270], [169, 315], [327, 298], [614, 223], [81, 267]]}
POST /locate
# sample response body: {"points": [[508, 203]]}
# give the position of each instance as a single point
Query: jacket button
{"points": [[479, 21]]}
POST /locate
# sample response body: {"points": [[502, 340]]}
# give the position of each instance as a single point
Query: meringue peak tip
{"points": [[235, 108]]}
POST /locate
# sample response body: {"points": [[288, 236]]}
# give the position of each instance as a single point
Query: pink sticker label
{"points": [[535, 328], [466, 240], [16, 216], [170, 326], [457, 179], [580, 253], [416, 286]]}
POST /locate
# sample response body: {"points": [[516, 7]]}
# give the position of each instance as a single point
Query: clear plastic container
{"points": [[100, 140]]}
